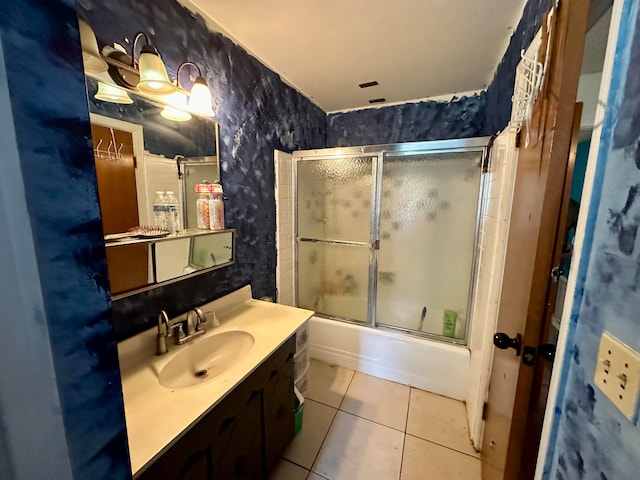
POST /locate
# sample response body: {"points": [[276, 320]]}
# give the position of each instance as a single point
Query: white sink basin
{"points": [[204, 359]]}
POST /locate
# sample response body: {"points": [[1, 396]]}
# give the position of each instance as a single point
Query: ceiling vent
{"points": [[368, 84]]}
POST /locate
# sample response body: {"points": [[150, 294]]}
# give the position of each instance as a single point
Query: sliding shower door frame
{"points": [[372, 245], [380, 152]]}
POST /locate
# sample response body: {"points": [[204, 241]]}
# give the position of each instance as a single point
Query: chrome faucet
{"points": [[166, 327]]}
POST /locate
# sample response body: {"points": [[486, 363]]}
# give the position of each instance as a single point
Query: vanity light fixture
{"points": [[109, 93], [177, 108], [200, 99], [93, 62], [153, 74], [148, 74]]}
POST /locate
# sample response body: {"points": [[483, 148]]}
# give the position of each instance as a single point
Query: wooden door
{"points": [[538, 195], [115, 168], [543, 365]]}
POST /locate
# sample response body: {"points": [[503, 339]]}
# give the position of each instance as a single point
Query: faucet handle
{"points": [[180, 331]]}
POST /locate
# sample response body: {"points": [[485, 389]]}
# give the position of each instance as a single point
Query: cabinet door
{"points": [[278, 403], [236, 437], [189, 458]]}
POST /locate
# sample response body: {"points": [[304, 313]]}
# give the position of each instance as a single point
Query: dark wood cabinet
{"points": [[243, 436], [278, 404]]}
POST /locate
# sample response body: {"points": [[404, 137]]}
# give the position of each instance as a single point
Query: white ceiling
{"points": [[415, 49]]}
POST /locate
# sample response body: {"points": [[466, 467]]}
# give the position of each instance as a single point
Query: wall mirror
{"points": [[139, 150]]}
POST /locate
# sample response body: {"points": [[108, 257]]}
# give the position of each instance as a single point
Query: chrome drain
{"points": [[200, 373]]}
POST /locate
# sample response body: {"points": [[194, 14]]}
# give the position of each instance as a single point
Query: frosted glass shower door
{"points": [[334, 235], [428, 221]]}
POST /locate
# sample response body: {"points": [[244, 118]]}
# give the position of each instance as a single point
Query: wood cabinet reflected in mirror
{"points": [[138, 152]]}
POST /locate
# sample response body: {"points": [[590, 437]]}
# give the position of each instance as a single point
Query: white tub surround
{"points": [[156, 416], [433, 366]]}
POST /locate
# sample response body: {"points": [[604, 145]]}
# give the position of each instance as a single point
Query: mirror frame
{"points": [[153, 286]]}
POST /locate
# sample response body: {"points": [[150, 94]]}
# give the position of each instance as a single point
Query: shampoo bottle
{"points": [[449, 319]]}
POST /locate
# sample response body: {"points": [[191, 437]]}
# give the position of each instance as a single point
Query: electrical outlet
{"points": [[618, 374]]}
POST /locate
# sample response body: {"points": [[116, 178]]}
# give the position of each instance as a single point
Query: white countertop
{"points": [[156, 415]]}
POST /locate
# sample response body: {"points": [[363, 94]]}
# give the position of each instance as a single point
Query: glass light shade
{"points": [[176, 110], [109, 93], [200, 101], [153, 74], [93, 62]]}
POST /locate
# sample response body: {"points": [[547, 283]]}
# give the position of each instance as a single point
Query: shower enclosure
{"points": [[386, 235]]}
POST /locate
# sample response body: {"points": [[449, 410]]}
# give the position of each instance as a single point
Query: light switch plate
{"points": [[618, 374]]}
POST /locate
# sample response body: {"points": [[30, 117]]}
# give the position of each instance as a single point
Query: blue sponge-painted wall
{"points": [[43, 60], [256, 112], [592, 440], [500, 90], [410, 122]]}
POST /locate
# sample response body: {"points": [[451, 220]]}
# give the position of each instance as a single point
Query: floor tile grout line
{"points": [[296, 464], [324, 439], [344, 395], [406, 423], [322, 403], [445, 446], [404, 443], [331, 425], [369, 420], [325, 478], [404, 437]]}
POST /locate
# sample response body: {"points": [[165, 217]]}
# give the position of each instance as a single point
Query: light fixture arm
{"points": [[184, 64], [133, 47]]}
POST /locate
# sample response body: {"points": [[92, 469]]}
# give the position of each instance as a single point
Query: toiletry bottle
{"points": [[202, 205], [449, 323], [160, 210], [216, 208], [173, 213]]}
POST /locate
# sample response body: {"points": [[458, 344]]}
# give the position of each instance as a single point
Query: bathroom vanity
{"points": [[234, 422]]}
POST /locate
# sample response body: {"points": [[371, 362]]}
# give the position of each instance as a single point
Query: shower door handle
{"points": [[503, 341]]}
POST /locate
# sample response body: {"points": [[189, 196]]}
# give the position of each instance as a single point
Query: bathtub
{"points": [[422, 363]]}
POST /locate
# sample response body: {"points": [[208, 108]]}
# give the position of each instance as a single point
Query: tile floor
{"points": [[360, 427]]}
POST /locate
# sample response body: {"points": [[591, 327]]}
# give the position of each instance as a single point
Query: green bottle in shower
{"points": [[449, 319]]}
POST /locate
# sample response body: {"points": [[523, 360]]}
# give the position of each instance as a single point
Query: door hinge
{"points": [[485, 407], [135, 162]]}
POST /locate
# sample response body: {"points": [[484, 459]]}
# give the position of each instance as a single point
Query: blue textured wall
{"points": [[42, 55], [410, 122], [257, 113], [500, 90], [592, 439]]}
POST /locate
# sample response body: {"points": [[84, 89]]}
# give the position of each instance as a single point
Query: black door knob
{"points": [[503, 341], [547, 351]]}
